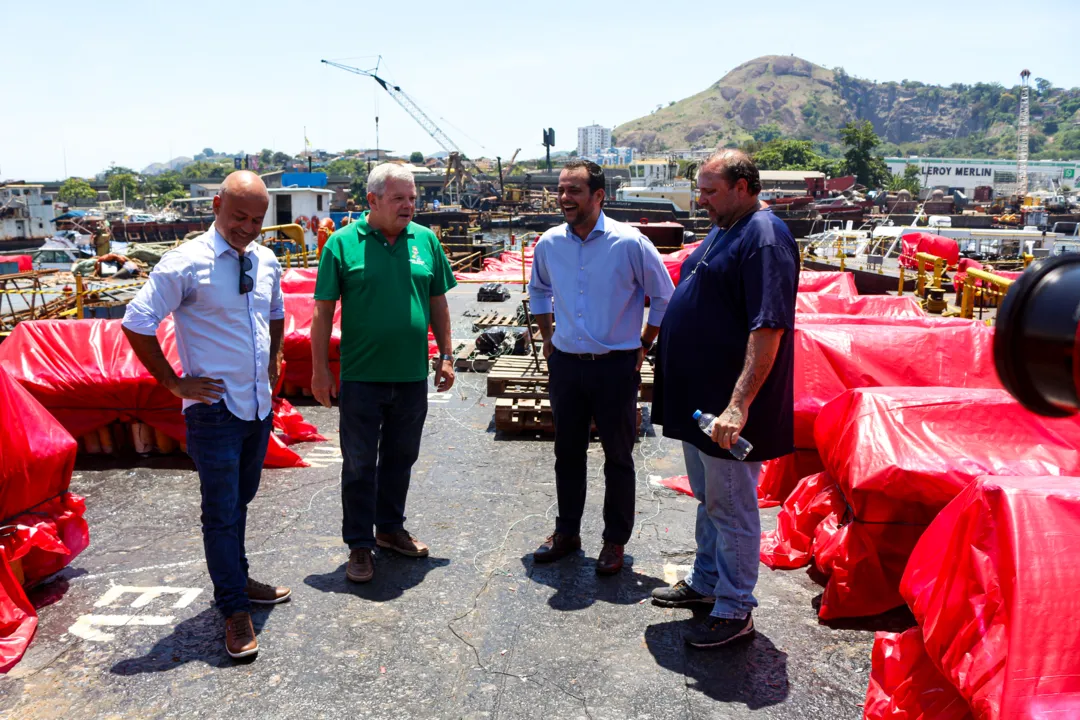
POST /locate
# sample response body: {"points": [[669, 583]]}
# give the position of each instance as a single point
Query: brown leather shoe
{"points": [[610, 560], [264, 594], [557, 546], [401, 541], [240, 636], [361, 567]]}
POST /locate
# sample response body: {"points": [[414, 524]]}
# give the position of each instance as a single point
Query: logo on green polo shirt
{"points": [[415, 258]]}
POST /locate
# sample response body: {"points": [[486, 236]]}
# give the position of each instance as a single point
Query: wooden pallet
{"points": [[517, 376], [495, 319], [466, 359], [520, 415]]}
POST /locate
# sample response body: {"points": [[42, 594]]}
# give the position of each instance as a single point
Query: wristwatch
{"points": [[647, 345], [446, 357]]}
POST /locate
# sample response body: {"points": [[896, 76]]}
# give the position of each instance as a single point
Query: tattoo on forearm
{"points": [[760, 355]]}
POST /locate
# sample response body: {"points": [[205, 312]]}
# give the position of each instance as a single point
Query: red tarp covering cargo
{"points": [[24, 262], [994, 585], [924, 242], [831, 283], [86, 374], [504, 268], [830, 359], [925, 321], [673, 261], [905, 684], [780, 476], [299, 280], [43, 523], [894, 457], [296, 343], [969, 264], [877, 305]]}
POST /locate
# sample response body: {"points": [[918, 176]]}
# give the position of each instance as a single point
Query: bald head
{"points": [[239, 208]]}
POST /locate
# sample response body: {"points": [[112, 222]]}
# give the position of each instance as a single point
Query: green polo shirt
{"points": [[385, 293]]}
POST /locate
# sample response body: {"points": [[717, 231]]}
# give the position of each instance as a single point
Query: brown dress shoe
{"points": [[557, 546], [240, 636], [401, 541], [361, 567], [264, 594], [610, 560]]}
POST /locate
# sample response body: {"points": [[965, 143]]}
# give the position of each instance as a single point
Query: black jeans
{"points": [[381, 425], [228, 453], [604, 389]]}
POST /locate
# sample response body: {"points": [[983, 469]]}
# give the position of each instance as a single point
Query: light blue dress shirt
{"points": [[597, 286], [220, 333]]}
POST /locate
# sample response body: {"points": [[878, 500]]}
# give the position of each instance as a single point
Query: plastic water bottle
{"points": [[705, 421]]}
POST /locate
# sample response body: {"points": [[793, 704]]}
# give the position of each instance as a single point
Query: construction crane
{"points": [[460, 169], [1022, 136]]}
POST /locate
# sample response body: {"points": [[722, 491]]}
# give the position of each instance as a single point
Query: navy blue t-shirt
{"points": [[748, 282]]}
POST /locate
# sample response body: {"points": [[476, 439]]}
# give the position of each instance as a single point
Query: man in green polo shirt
{"points": [[391, 276]]}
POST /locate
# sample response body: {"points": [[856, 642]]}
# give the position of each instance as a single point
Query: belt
{"points": [[597, 356]]}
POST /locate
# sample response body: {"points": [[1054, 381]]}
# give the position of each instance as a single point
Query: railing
{"points": [[295, 233], [993, 286]]}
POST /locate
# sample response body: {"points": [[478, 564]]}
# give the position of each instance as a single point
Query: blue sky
{"points": [[127, 82]]}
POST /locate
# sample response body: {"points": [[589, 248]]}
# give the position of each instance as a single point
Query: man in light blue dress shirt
{"points": [[592, 275], [223, 290]]}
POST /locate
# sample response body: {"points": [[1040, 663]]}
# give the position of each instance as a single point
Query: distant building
{"points": [[24, 213], [197, 190], [592, 140], [966, 174], [614, 156]]}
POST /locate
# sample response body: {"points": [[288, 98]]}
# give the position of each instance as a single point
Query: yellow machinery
{"points": [[993, 286], [295, 233]]}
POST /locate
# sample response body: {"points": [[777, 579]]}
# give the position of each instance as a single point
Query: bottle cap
{"points": [[697, 414]]}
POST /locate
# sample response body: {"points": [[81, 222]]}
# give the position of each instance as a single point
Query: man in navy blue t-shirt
{"points": [[726, 348]]}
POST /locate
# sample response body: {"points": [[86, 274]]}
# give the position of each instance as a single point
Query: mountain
{"points": [[175, 164], [796, 98]]}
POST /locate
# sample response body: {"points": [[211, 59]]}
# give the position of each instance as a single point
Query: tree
{"points": [[117, 170], [767, 133], [859, 160], [266, 158], [206, 169], [123, 185], [281, 158], [908, 181], [76, 189], [793, 155], [416, 157], [208, 152]]}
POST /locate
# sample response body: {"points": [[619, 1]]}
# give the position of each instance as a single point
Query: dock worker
{"points": [[391, 276], [726, 347], [590, 278], [224, 292]]}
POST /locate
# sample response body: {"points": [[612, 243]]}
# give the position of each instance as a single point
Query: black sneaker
{"points": [[680, 595], [717, 632]]}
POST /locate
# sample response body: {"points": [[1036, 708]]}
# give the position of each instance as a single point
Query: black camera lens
{"points": [[1036, 337]]}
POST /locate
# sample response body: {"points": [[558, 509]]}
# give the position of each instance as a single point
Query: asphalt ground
{"points": [[473, 631]]}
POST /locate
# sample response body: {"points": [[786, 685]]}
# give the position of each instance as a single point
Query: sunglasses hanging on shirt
{"points": [[247, 283]]}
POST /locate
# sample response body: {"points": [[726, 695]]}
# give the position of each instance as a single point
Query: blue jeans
{"points": [[228, 453], [728, 531], [381, 426]]}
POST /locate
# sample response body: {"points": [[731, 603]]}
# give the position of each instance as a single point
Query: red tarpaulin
{"points": [[673, 261], [830, 359], [831, 283], [994, 585], [86, 374], [905, 684], [968, 264], [924, 242], [876, 305], [506, 267], [780, 476], [25, 262], [894, 457], [299, 280], [43, 525]]}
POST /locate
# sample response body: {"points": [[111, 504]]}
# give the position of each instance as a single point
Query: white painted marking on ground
{"points": [[439, 398], [164, 566], [672, 572], [84, 627], [654, 480], [148, 595]]}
